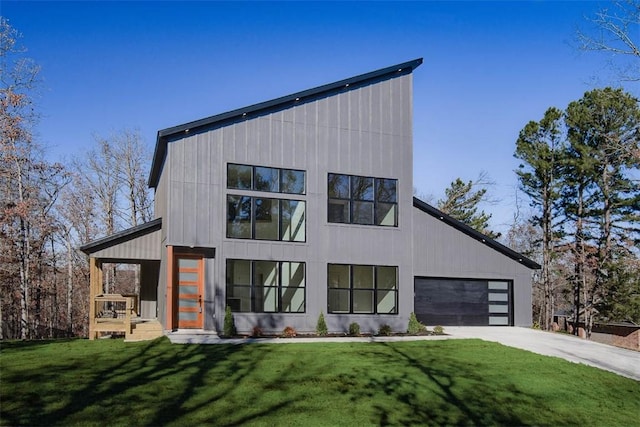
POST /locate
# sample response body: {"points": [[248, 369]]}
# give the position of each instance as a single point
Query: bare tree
{"points": [[133, 158], [100, 175], [616, 31], [115, 173], [76, 216], [29, 185]]}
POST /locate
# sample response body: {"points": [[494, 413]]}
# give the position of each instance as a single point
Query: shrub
{"points": [[321, 326], [354, 329], [438, 330], [415, 327], [229, 329], [289, 332], [256, 332], [385, 330]]}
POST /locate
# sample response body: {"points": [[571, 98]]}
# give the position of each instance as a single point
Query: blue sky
{"points": [[489, 68]]}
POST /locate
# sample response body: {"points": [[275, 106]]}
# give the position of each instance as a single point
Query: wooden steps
{"points": [[145, 330]]}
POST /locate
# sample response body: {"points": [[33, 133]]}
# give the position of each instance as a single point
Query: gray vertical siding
{"points": [[440, 250], [149, 275], [145, 247], [363, 131]]}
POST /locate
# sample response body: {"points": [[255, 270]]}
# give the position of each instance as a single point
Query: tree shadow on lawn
{"points": [[155, 385], [158, 383], [438, 391]]}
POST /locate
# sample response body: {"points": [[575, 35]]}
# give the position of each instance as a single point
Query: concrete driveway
{"points": [[618, 360]]}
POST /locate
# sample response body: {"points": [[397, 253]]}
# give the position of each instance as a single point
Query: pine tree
{"points": [[461, 202], [604, 136], [539, 148]]}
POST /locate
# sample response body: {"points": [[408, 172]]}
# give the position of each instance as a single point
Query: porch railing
{"points": [[113, 313]]}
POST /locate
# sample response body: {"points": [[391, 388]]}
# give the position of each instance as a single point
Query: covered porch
{"points": [[135, 315]]}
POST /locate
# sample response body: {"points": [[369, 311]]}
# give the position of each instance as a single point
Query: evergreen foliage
{"points": [[415, 327], [579, 168], [229, 329], [354, 329], [385, 330], [321, 326], [461, 202], [539, 147]]}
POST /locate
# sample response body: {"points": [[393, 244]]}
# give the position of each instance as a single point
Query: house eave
{"points": [[122, 236]]}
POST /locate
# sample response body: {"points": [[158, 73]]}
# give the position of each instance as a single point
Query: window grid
{"points": [[362, 200], [276, 297], [499, 302], [268, 179], [251, 217], [348, 298]]}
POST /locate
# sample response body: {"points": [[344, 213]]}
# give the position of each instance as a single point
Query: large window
{"points": [[260, 178], [264, 218], [362, 289], [362, 200], [265, 286]]}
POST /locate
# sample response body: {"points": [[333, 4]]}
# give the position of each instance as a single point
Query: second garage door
{"points": [[463, 302]]}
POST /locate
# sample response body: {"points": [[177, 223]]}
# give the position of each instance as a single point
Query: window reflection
{"points": [[265, 286], [362, 200], [262, 178]]}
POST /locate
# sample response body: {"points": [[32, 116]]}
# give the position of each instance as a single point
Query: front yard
{"points": [[470, 382]]}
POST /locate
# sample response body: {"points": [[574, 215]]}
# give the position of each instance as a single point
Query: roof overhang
{"points": [[474, 234], [172, 133], [137, 243]]}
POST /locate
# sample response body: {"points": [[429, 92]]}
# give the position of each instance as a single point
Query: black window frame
{"points": [[508, 303], [253, 286], [281, 186], [253, 217], [344, 210], [351, 289]]}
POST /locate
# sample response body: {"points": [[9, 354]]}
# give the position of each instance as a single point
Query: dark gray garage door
{"points": [[463, 302]]}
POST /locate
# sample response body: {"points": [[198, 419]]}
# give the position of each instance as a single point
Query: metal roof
{"points": [[122, 236], [459, 225], [165, 135]]}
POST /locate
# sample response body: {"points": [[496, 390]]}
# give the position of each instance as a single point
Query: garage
{"points": [[463, 302]]}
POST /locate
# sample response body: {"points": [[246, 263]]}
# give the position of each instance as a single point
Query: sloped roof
{"points": [[165, 135], [474, 234], [122, 236]]}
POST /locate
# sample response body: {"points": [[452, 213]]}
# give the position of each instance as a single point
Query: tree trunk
{"points": [[579, 279], [69, 285]]}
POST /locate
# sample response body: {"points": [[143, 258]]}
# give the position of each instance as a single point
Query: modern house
{"points": [[304, 205]]}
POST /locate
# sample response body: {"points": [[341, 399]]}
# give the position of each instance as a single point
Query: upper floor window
{"points": [[265, 218], [362, 200], [261, 178]]}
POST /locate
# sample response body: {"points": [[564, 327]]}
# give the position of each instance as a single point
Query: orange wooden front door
{"points": [[189, 283]]}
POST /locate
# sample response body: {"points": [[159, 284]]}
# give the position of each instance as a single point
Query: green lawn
{"points": [[469, 382]]}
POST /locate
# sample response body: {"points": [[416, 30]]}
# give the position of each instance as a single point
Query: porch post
{"points": [[95, 289], [170, 261]]}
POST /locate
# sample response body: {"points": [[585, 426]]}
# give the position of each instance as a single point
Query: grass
{"points": [[468, 382]]}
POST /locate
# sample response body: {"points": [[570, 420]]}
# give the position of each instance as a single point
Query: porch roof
{"points": [[142, 242]]}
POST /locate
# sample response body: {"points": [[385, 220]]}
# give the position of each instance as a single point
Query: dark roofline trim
{"points": [[165, 135], [460, 226], [122, 236]]}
